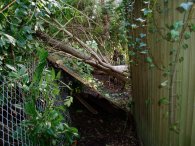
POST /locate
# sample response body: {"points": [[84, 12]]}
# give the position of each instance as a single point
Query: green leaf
{"points": [[192, 27], [29, 108], [11, 67], [185, 46], [42, 62], [177, 25], [174, 35], [134, 26], [163, 101], [53, 75], [58, 75], [10, 39], [27, 29], [187, 35], [142, 45], [53, 114], [142, 35], [38, 72], [68, 101], [164, 84], [146, 11], [185, 6], [140, 20], [149, 60], [144, 52], [43, 54], [181, 59]]}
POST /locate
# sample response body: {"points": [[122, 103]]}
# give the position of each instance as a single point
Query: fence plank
{"points": [[153, 120]]}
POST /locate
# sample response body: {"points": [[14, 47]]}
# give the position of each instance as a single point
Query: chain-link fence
{"points": [[11, 115], [12, 97]]}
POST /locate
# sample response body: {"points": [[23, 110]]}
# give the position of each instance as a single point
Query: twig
{"points": [[83, 14], [6, 7]]}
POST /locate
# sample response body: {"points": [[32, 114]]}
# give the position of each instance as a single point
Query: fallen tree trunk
{"points": [[117, 71]]}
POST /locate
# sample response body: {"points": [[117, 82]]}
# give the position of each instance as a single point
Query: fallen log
{"points": [[117, 71]]}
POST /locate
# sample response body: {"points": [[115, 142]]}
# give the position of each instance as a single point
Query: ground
{"points": [[102, 129]]}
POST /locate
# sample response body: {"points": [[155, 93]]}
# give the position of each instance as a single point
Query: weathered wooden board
{"points": [[59, 64]]}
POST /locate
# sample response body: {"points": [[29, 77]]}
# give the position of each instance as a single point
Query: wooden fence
{"points": [[152, 104]]}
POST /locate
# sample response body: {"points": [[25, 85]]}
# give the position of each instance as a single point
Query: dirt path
{"points": [[103, 129]]}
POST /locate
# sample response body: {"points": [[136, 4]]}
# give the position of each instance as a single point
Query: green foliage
{"points": [[163, 101], [102, 23], [19, 21], [68, 101], [82, 68], [42, 62], [45, 125]]}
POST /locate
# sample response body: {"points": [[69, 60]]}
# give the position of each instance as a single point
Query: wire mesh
{"points": [[12, 97], [11, 115]]}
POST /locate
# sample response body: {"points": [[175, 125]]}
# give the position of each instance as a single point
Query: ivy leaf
{"points": [[173, 50], [181, 59], [131, 53], [162, 101], [173, 35], [142, 45], [43, 54], [146, 11], [164, 84], [10, 39], [134, 26], [146, 2], [177, 25], [185, 46], [30, 109], [42, 62], [149, 60], [140, 20], [185, 6], [187, 35], [142, 35], [38, 72], [144, 52], [27, 29], [192, 27], [138, 40], [68, 101], [11, 67]]}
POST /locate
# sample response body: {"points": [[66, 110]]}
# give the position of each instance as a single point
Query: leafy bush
{"points": [[45, 123]]}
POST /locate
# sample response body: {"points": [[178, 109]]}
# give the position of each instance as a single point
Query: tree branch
{"points": [[6, 7]]}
